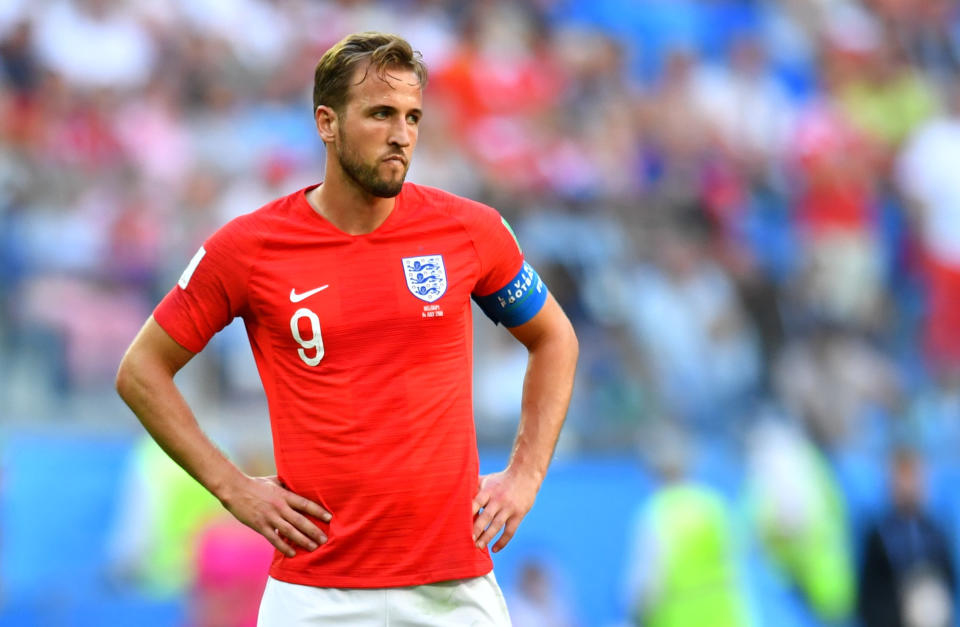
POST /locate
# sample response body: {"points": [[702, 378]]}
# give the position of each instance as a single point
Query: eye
{"points": [[380, 115], [413, 118]]}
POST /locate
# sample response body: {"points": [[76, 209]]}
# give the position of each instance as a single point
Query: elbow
{"points": [[124, 379], [131, 376], [573, 343], [566, 336], [572, 338]]}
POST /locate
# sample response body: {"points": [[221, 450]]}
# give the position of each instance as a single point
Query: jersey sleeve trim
{"points": [[164, 317]]}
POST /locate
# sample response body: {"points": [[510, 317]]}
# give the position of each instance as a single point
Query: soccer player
{"points": [[356, 298]]}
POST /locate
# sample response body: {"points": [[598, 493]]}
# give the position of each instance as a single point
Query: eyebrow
{"points": [[385, 107]]}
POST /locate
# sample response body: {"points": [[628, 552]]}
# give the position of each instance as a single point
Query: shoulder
{"points": [[469, 212], [248, 230], [282, 208]]}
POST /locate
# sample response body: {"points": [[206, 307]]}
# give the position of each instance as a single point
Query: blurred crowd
{"points": [[737, 201], [747, 207], [734, 199]]}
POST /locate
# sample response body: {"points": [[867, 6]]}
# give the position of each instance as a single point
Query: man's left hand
{"points": [[503, 500]]}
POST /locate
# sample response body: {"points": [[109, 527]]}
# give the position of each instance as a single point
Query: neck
{"points": [[346, 205]]}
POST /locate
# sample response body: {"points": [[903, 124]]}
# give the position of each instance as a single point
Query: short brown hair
{"points": [[331, 78]]}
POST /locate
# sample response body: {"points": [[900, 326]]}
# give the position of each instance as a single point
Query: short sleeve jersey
{"points": [[364, 348]]}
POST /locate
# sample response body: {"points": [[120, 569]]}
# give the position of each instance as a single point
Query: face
{"points": [[377, 130], [907, 482]]}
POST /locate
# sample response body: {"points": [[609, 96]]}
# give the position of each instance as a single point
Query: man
{"points": [[356, 298], [907, 574], [682, 568]]}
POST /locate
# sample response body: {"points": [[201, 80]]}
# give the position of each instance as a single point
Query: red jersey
{"points": [[364, 347]]}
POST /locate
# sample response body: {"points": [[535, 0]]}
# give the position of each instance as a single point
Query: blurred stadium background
{"points": [[750, 209]]}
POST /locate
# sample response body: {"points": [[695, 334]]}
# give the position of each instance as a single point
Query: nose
{"points": [[401, 134]]}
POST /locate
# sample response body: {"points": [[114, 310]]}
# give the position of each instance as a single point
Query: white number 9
{"points": [[314, 342]]}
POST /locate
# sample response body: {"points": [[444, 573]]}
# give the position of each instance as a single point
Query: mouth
{"points": [[398, 158]]}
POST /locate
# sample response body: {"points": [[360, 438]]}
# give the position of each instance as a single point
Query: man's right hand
{"points": [[145, 382], [264, 505]]}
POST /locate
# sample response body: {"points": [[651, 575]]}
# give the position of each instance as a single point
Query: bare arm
{"points": [[145, 382], [506, 497]]}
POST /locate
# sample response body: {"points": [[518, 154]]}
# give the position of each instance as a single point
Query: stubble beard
{"points": [[365, 175]]}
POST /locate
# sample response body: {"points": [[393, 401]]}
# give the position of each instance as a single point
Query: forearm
{"points": [[547, 388], [147, 387]]}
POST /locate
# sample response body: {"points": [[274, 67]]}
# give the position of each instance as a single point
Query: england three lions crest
{"points": [[426, 277]]}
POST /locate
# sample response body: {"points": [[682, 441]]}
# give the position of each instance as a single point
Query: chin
{"points": [[386, 193], [387, 189]]}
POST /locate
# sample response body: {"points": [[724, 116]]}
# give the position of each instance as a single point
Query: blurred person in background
{"points": [[500, 85], [161, 514], [832, 378], [536, 599], [683, 565], [744, 105], [95, 43], [674, 135], [368, 381], [686, 317], [838, 156], [881, 94], [800, 518], [230, 561], [927, 170], [926, 30], [907, 575], [832, 196], [230, 570]]}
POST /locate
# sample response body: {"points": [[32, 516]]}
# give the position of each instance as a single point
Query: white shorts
{"points": [[475, 602]]}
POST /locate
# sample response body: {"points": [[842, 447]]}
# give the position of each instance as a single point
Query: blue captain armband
{"points": [[516, 302]]}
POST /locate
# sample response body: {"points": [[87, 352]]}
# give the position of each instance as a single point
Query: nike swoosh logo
{"points": [[296, 298]]}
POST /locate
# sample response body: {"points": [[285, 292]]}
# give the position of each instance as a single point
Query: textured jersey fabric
{"points": [[363, 344]]}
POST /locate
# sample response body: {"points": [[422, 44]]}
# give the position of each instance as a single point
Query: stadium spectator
{"points": [[537, 600], [907, 574], [95, 43], [926, 31], [745, 105], [230, 560], [926, 174], [683, 564], [832, 198], [230, 564], [162, 512], [800, 519], [831, 377], [498, 110], [687, 320], [884, 97]]}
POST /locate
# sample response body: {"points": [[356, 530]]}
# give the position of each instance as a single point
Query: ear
{"points": [[327, 121]]}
